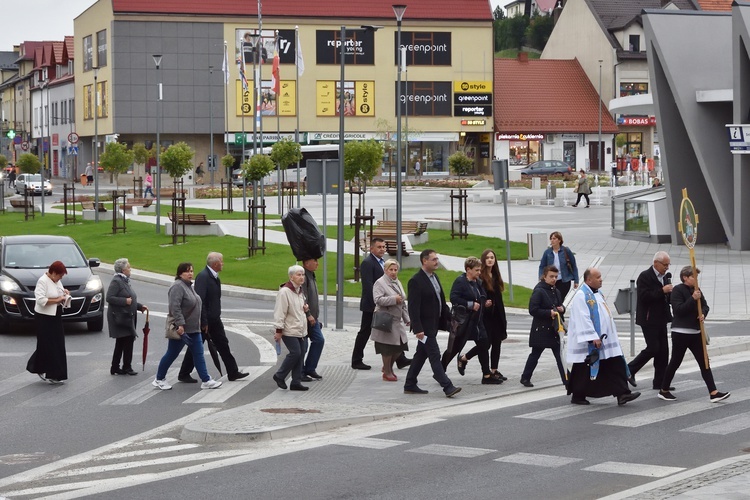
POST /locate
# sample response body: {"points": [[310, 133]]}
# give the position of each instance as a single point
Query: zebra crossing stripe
{"points": [[227, 389], [16, 382], [646, 470], [59, 394], [723, 426], [139, 393], [372, 443], [445, 450], [537, 459]]}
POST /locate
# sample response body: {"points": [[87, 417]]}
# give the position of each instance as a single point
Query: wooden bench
{"points": [[21, 203], [89, 205], [407, 227], [136, 202], [190, 219], [391, 248]]}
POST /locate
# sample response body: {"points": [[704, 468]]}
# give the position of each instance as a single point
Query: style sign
{"points": [[359, 98]]}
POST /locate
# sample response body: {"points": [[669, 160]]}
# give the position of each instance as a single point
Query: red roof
{"points": [[716, 5], [547, 96], [475, 10]]}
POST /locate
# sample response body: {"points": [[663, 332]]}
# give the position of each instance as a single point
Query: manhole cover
{"points": [[288, 410], [27, 458]]}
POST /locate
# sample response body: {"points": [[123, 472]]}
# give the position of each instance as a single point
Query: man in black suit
{"points": [[652, 313], [208, 287], [428, 312], [370, 271]]}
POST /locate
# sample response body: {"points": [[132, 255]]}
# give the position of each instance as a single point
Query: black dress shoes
{"points": [[314, 375], [631, 380], [626, 398], [414, 390], [237, 376], [583, 401], [298, 387], [451, 391], [306, 378], [526, 383], [279, 381], [187, 379], [403, 362], [116, 371], [358, 365], [129, 371]]}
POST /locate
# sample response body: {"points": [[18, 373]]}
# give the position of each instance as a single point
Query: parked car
{"points": [[547, 167], [33, 182], [23, 259]]}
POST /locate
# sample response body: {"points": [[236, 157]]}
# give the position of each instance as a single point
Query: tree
{"points": [[285, 153], [141, 155], [176, 160], [460, 164], [362, 160], [510, 32], [498, 13], [29, 164], [116, 159], [257, 167], [539, 30]]}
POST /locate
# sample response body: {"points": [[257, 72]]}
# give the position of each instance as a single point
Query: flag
{"points": [[300, 61], [241, 67], [225, 66], [275, 83]]}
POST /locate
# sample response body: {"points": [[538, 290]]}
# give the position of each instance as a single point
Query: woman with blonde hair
{"points": [[390, 298]]}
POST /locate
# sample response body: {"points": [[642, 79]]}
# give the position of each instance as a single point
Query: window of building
{"points": [[72, 111], [64, 112], [101, 108], [88, 53], [633, 88], [634, 43], [55, 116], [524, 152], [88, 108], [101, 48]]}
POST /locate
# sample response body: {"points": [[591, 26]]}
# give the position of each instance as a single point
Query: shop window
{"points": [[569, 153], [633, 88]]}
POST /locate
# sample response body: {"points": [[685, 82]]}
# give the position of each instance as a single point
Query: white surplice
{"points": [[581, 328]]}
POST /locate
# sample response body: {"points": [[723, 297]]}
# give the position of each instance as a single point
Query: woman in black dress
{"points": [[49, 361]]}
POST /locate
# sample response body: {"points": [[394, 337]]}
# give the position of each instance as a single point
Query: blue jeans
{"points": [[174, 348], [315, 348], [148, 191]]}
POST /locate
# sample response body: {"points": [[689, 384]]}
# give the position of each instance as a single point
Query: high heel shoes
{"points": [[390, 378]]}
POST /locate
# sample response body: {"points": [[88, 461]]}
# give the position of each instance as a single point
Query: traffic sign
{"points": [[739, 138], [73, 138], [25, 145]]}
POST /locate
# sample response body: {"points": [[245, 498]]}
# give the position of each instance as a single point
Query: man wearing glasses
{"points": [[653, 288]]}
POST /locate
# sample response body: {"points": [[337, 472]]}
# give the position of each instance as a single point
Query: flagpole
{"points": [[226, 99], [257, 115], [278, 118], [243, 82], [296, 101]]}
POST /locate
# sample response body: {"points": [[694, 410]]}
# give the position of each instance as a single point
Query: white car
{"points": [[33, 182]]}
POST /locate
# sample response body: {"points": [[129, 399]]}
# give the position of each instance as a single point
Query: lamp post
{"points": [[399, 11], [340, 182], [211, 165], [157, 62], [45, 115], [600, 146], [96, 145]]}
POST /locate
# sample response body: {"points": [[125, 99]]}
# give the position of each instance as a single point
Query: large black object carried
{"points": [[304, 237]]}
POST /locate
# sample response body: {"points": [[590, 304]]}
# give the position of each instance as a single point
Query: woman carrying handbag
{"points": [[544, 305], [389, 332]]}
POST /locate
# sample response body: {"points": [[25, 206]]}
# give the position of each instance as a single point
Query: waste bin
{"points": [[537, 243], [551, 191], [84, 180], [536, 183]]}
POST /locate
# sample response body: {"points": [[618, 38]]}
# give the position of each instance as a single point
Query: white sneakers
{"points": [[211, 384], [164, 386], [161, 384]]}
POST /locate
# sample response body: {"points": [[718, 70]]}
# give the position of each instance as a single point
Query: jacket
{"points": [[47, 289], [568, 271], [289, 313], [117, 294], [543, 299], [495, 320], [209, 290], [384, 293], [652, 307], [583, 185], [185, 306], [466, 293], [685, 308], [310, 289], [369, 272], [428, 314]]}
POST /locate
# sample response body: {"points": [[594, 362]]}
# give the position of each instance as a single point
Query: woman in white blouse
{"points": [[49, 361]]}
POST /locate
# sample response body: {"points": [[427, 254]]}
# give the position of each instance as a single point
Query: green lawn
{"points": [[154, 252]]}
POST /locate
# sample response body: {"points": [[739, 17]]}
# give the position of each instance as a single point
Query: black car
{"points": [[23, 259], [547, 167]]}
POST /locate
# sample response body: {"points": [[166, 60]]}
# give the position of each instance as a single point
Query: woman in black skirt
{"points": [[49, 361]]}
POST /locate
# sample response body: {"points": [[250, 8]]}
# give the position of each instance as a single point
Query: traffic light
{"points": [[210, 162], [11, 133]]}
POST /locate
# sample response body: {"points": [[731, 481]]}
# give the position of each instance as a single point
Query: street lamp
{"points": [[340, 220], [600, 146], [96, 145], [399, 11], [211, 122], [157, 62]]}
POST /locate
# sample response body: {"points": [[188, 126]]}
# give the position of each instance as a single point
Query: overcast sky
{"points": [[53, 19]]}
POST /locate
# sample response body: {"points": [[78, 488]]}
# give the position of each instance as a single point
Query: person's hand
{"points": [[667, 288], [277, 336], [560, 309], [553, 313], [305, 308], [180, 330], [129, 301], [204, 329], [575, 285], [399, 299], [697, 295], [311, 320], [701, 318], [420, 335], [475, 307], [144, 308], [488, 303], [597, 343]]}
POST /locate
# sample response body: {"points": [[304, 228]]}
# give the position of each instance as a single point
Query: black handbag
{"points": [[124, 318], [382, 321]]}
